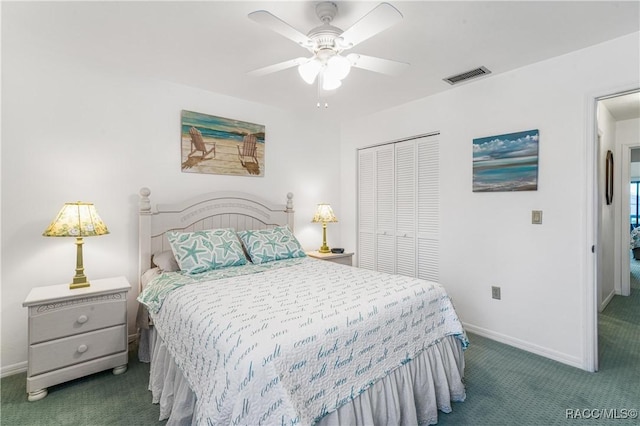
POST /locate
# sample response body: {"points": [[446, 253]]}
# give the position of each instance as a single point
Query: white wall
{"points": [[628, 132], [73, 130], [606, 249], [487, 238]]}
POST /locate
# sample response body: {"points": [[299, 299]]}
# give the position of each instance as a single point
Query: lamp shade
{"points": [[76, 220], [324, 214]]}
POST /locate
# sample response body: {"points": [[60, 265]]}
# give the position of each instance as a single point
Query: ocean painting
{"points": [[506, 162], [222, 146]]}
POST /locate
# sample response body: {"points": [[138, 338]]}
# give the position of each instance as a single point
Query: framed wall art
{"points": [[608, 178], [506, 162], [221, 146]]}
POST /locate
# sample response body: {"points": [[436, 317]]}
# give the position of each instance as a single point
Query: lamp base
{"points": [[79, 279], [324, 248], [79, 282]]}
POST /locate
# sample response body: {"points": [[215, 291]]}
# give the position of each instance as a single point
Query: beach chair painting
{"points": [[198, 144], [213, 145], [247, 154]]}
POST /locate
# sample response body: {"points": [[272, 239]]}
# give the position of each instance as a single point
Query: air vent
{"points": [[478, 72]]}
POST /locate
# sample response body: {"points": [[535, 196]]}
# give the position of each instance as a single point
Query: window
{"points": [[634, 204]]}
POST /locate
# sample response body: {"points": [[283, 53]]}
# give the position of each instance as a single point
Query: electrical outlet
{"points": [[495, 292]]}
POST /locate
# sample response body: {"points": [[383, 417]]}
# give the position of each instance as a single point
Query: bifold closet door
{"points": [[399, 208], [428, 208], [376, 209], [405, 205], [366, 209], [385, 210]]}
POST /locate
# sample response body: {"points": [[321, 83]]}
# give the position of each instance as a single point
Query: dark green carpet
{"points": [[98, 399], [505, 386]]}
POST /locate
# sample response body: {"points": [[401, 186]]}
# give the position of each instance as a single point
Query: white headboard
{"points": [[236, 210]]}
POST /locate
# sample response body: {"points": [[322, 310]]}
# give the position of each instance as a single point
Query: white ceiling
{"points": [[211, 45], [624, 107]]}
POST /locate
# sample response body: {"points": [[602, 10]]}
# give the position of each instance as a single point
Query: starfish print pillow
{"points": [[267, 245], [202, 251]]}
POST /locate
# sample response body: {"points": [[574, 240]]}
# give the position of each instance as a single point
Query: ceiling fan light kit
{"points": [[310, 70], [327, 65]]}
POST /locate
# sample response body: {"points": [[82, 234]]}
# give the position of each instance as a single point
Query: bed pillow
{"points": [[166, 261], [203, 251], [267, 245]]}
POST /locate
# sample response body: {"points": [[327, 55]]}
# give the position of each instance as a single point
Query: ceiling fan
{"points": [[328, 43]]}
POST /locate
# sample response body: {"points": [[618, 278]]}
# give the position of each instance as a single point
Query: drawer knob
{"points": [[82, 348], [82, 319]]}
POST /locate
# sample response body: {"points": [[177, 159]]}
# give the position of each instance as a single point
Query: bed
{"points": [[260, 334]]}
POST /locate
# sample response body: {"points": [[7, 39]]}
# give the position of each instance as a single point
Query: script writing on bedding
{"points": [[292, 342]]}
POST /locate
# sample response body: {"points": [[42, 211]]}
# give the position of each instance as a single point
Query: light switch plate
{"points": [[536, 217]]}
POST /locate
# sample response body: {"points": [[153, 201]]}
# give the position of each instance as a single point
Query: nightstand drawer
{"points": [[60, 353], [49, 322]]}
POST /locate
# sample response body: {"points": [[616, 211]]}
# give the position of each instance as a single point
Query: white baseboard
{"points": [[526, 346], [10, 370], [606, 301], [21, 367]]}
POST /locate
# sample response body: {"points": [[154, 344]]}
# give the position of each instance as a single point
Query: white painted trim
{"points": [[606, 301], [525, 346], [623, 286], [589, 270], [591, 225], [10, 370]]}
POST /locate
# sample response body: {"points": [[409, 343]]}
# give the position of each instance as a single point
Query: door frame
{"points": [[623, 285], [593, 188]]}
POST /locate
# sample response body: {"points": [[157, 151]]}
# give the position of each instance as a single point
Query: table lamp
{"points": [[77, 220], [324, 214]]}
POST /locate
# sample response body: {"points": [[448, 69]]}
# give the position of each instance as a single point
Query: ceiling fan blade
{"points": [[371, 63], [278, 25], [379, 19], [277, 67]]}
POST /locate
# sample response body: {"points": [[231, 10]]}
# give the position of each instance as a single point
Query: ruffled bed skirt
{"points": [[410, 395]]}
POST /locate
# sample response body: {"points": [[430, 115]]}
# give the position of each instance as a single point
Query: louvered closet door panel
{"points": [[406, 256], [384, 189], [405, 194], [428, 259], [428, 193], [405, 188], [366, 209], [385, 253], [366, 250], [385, 223]]}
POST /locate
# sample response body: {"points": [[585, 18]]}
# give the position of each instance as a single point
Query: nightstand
{"points": [[342, 258], [73, 333]]}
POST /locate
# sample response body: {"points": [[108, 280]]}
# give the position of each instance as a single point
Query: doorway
{"points": [[616, 133], [630, 212]]}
